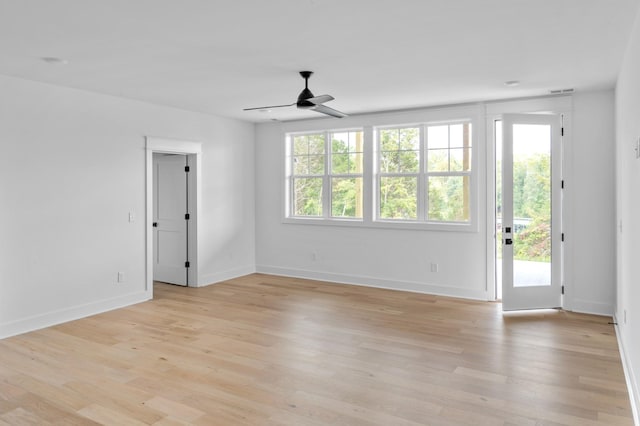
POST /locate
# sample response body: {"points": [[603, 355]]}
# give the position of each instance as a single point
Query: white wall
{"points": [[590, 215], [401, 258], [628, 208], [392, 258], [72, 167]]}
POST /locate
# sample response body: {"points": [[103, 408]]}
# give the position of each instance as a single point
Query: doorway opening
{"points": [[180, 213]]}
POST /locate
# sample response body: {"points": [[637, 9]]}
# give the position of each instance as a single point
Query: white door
{"points": [[170, 255], [529, 214]]}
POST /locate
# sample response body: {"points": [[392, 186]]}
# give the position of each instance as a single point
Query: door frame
{"points": [[561, 105], [193, 151]]}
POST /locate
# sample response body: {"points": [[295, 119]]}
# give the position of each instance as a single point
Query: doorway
{"points": [[170, 218], [188, 154], [528, 210]]}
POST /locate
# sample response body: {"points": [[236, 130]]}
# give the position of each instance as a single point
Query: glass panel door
{"points": [[529, 211]]}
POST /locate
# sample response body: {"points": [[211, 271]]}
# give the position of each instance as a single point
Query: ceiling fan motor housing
{"points": [[306, 93]]}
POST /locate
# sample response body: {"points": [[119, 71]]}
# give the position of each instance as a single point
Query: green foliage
{"points": [[446, 198], [534, 242], [400, 150], [398, 197], [531, 201], [345, 193], [308, 197]]}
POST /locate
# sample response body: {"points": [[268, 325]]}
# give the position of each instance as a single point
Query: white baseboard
{"points": [[49, 319], [415, 287], [630, 377], [209, 279], [589, 307]]}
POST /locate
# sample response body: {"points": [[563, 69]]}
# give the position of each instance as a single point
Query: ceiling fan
{"points": [[306, 100]]}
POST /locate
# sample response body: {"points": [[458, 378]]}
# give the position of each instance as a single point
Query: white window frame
{"points": [[423, 175], [327, 178], [473, 113]]}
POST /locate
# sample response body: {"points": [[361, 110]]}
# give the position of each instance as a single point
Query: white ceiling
{"points": [[220, 56]]}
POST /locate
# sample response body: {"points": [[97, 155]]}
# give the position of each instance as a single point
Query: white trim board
{"points": [[192, 149], [52, 318], [630, 377], [365, 281]]}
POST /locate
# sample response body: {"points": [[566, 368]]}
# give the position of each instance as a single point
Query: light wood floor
{"points": [[264, 350]]}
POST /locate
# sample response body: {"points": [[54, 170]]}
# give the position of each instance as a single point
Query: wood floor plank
{"points": [[267, 350]]}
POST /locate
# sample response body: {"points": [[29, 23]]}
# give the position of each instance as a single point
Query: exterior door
{"points": [[170, 223], [529, 213]]}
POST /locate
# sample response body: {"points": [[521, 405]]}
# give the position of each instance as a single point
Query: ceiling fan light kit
{"points": [[306, 100]]}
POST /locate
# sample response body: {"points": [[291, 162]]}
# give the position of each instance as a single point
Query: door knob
{"points": [[155, 224]]}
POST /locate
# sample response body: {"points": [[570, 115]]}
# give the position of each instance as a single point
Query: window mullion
{"points": [[423, 196], [326, 182]]}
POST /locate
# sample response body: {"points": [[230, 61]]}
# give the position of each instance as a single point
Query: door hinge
{"points": [[562, 131], [562, 289], [187, 169], [562, 184], [186, 264], [186, 216], [563, 236]]}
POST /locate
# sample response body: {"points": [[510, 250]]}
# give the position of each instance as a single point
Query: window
{"points": [[308, 174], [346, 174], [399, 173], [417, 176], [424, 173], [326, 179], [448, 172]]}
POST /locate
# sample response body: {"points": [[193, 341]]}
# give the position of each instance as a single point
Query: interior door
{"points": [[530, 211], [170, 225]]}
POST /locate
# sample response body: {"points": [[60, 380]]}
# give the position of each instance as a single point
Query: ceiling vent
{"points": [[561, 91]]}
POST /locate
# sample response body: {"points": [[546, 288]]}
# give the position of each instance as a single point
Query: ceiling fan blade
{"points": [[269, 107], [329, 111], [320, 99]]}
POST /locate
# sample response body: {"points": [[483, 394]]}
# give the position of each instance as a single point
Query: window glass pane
{"points": [[355, 163], [455, 136], [389, 139], [340, 163], [408, 161], [346, 148], [316, 164], [466, 135], [532, 205], [410, 138], [346, 197], [438, 160], [339, 143], [316, 144], [460, 159], [301, 145], [389, 161], [301, 165], [307, 197], [449, 198], [438, 137], [398, 197]]}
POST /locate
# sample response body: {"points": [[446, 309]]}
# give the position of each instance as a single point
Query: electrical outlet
{"points": [[132, 217], [434, 267], [120, 277]]}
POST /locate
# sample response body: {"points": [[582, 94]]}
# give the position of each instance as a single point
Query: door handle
{"points": [[155, 224], [508, 241]]}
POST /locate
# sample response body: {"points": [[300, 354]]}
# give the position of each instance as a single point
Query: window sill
{"points": [[383, 224]]}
